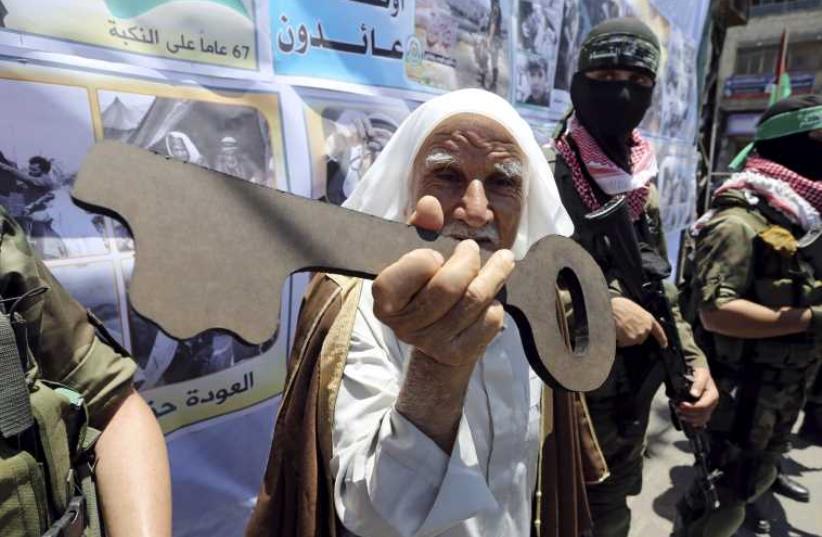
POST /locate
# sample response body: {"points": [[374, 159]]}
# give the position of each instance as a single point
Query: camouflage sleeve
{"points": [[692, 353], [61, 338], [723, 261]]}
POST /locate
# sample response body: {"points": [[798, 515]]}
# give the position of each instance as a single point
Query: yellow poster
{"points": [[212, 32], [49, 119]]}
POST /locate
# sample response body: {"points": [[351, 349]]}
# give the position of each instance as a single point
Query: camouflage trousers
{"points": [[620, 430], [749, 432]]}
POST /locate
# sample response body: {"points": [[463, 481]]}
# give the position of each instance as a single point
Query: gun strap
{"points": [[15, 407], [653, 380]]}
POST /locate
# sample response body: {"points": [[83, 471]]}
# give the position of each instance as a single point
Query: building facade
{"points": [[749, 60]]}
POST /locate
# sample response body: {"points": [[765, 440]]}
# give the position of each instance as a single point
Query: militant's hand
{"points": [[634, 324], [698, 413]]}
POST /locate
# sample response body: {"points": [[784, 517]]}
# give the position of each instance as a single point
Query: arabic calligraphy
{"points": [[218, 397], [304, 39], [151, 36]]}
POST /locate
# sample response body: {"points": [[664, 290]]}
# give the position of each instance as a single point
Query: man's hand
{"points": [[634, 324], [704, 391], [446, 309]]}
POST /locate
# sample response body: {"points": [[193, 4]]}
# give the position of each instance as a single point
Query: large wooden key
{"points": [[213, 251]]}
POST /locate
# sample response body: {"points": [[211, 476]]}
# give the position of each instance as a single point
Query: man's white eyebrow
{"points": [[439, 158], [510, 168]]}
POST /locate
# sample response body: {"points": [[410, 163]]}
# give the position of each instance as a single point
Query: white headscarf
{"points": [[194, 155], [385, 189]]}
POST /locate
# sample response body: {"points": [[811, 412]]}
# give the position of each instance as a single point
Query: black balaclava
{"points": [[797, 152], [610, 110]]}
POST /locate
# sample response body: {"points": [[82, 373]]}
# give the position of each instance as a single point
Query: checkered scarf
{"points": [[795, 196], [809, 189], [609, 177]]}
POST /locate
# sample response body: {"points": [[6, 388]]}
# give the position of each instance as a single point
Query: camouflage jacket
{"points": [[66, 356], [750, 252]]}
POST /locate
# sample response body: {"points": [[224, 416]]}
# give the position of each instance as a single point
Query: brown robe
{"points": [[297, 494]]}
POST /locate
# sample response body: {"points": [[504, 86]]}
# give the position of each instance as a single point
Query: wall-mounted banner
{"points": [[50, 118], [187, 35], [317, 89], [422, 45]]}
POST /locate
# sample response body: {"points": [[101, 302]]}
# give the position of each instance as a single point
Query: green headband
{"points": [[785, 124]]}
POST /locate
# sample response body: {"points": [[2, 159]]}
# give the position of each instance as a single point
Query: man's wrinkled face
{"points": [[473, 166]]}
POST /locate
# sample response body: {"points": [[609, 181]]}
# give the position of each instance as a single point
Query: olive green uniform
{"points": [[66, 361], [749, 252], [620, 408]]}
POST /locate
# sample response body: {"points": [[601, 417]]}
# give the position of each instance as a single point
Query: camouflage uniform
{"points": [[749, 252], [65, 357], [620, 408]]}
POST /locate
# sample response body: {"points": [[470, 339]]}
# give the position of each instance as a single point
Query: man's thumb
{"points": [[428, 214]]}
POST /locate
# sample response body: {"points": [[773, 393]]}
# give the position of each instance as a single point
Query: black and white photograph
{"points": [[45, 131], [676, 183], [465, 44], [570, 38], [538, 36], [579, 16], [678, 88], [231, 139], [164, 360], [94, 285], [346, 137]]}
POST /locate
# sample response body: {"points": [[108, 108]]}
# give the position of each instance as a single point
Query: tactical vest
{"points": [[780, 278], [46, 446]]}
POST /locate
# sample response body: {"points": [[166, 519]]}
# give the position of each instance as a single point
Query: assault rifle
{"points": [[613, 223]]}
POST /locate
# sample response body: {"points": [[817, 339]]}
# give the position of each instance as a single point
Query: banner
{"points": [[166, 34], [50, 118], [291, 94]]}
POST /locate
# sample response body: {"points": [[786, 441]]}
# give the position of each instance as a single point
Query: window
{"points": [[756, 60], [805, 56], [802, 56]]}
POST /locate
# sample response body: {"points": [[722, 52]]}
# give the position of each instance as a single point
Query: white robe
{"points": [[392, 480]]}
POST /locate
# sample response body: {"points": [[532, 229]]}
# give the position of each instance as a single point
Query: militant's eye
{"points": [[643, 80]]}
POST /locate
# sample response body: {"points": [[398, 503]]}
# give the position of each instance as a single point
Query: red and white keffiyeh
{"points": [[795, 196], [609, 177]]}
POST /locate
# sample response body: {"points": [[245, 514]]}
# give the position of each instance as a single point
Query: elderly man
{"points": [[410, 407]]}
